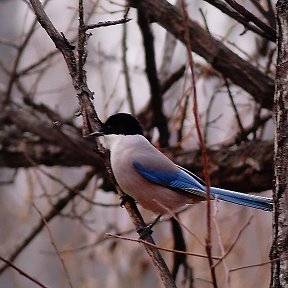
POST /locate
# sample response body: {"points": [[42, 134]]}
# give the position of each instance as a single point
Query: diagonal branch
{"points": [[240, 18], [80, 85], [9, 264], [91, 121], [215, 52], [57, 208], [251, 17]]}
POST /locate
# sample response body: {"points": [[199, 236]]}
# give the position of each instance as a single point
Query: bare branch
{"points": [[215, 52], [126, 68], [251, 17], [240, 18], [107, 23], [55, 246], [56, 209], [247, 168], [10, 264], [91, 121], [239, 122], [159, 119], [160, 248], [204, 155]]}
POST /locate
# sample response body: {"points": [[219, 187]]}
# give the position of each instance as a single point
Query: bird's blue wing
{"points": [[198, 179], [174, 180], [183, 180]]}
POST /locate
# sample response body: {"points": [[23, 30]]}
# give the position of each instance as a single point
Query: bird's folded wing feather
{"points": [[175, 180]]}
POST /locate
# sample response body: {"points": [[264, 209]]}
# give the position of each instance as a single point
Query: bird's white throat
{"points": [[114, 141]]}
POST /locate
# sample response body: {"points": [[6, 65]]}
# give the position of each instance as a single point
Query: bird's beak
{"points": [[97, 134]]}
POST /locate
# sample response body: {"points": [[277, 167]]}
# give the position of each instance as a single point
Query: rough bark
{"points": [[279, 276]]}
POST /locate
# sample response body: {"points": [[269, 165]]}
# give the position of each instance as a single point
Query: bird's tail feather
{"points": [[263, 203]]}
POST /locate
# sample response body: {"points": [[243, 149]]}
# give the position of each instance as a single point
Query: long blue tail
{"points": [[263, 203]]}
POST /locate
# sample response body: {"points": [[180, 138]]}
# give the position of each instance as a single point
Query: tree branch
{"points": [[91, 122], [56, 209], [240, 18], [245, 168], [156, 101], [222, 59], [252, 18]]}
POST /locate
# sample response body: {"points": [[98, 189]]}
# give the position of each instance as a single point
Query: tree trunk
{"points": [[279, 277]]}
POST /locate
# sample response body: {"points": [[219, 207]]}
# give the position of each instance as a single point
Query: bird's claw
{"points": [[145, 231], [124, 198]]}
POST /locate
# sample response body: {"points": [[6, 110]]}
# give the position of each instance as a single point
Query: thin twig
{"points": [[208, 111], [54, 245], [182, 116], [161, 248], [10, 264], [50, 54], [18, 58], [82, 42], [173, 215], [56, 209], [126, 67], [107, 23], [251, 17], [221, 244], [239, 18], [156, 100], [239, 122], [201, 140], [204, 20], [250, 129], [257, 265], [173, 78], [9, 43], [236, 240]]}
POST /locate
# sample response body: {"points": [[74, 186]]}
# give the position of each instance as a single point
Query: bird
{"points": [[151, 178]]}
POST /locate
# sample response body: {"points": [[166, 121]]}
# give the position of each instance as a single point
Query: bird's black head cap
{"points": [[122, 124]]}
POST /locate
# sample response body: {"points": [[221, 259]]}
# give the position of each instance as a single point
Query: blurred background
{"points": [[37, 98]]}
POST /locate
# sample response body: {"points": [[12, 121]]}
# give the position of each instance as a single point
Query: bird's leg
{"points": [[147, 230], [124, 198]]}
